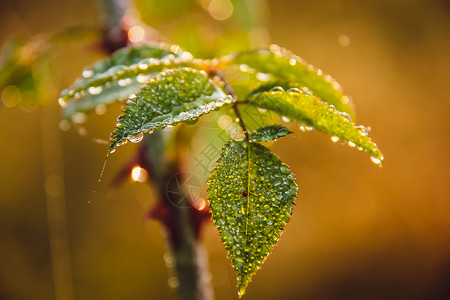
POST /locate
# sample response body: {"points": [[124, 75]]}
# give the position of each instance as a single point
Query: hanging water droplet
{"points": [[61, 102], [351, 144], [292, 61], [334, 139], [305, 128], [375, 160], [95, 90]]}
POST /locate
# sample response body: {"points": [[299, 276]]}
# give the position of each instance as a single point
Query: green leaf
{"points": [[303, 107], [251, 194], [310, 110], [174, 96], [281, 64], [269, 133], [119, 76]]}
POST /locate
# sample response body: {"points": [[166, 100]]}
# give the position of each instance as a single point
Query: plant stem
{"points": [[181, 220], [241, 121], [174, 208]]}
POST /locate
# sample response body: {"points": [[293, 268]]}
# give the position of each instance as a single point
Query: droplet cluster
{"points": [[172, 97], [251, 194]]}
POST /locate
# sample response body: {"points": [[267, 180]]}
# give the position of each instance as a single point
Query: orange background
{"points": [[357, 232]]}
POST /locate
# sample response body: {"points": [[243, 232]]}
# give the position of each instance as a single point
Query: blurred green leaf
{"points": [[251, 194], [120, 75], [174, 96]]}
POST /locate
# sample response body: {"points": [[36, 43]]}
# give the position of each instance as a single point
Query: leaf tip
{"points": [[241, 290]]}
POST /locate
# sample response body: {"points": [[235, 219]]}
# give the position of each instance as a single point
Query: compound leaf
{"points": [[283, 65], [269, 133], [119, 76], [251, 194], [311, 111], [171, 97]]}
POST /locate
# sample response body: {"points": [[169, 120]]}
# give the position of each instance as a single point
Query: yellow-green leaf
{"points": [[311, 111]]}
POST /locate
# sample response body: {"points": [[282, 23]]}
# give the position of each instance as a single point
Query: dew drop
{"points": [[143, 67], [334, 139], [351, 144], [61, 102], [292, 61], [141, 78], [262, 110], [87, 73], [95, 90], [375, 160], [136, 138], [284, 169], [286, 119], [277, 89], [294, 91], [305, 128], [346, 115], [363, 130], [244, 68], [124, 82]]}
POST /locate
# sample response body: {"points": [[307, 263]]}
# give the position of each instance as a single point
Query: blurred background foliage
{"points": [[356, 233]]}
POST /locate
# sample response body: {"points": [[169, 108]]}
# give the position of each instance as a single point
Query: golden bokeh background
{"points": [[358, 232]]}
